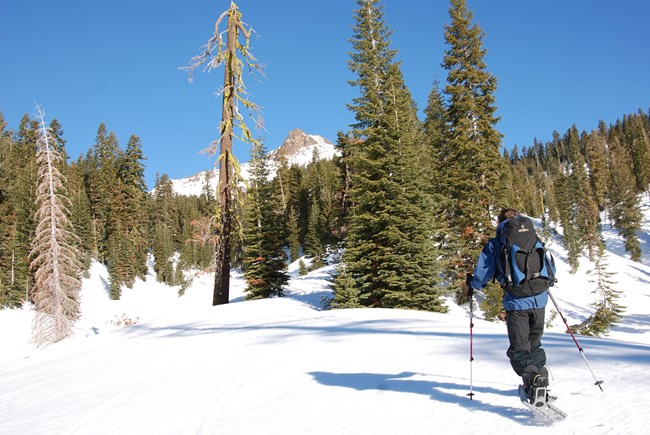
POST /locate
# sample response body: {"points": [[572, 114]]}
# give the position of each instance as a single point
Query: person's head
{"points": [[507, 213]]}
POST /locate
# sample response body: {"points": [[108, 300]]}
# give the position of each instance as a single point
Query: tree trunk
{"points": [[221, 293]]}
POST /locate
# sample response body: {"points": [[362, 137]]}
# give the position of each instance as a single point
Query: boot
{"points": [[540, 379]]}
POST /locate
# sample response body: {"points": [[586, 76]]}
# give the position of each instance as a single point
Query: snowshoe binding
{"points": [[537, 391], [539, 401]]}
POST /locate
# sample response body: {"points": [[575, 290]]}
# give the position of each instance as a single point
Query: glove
{"points": [[468, 282]]}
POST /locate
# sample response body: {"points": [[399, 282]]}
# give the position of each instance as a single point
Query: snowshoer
{"points": [[524, 312]]}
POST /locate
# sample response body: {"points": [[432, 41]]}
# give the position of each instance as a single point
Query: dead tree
{"points": [[55, 257], [217, 53]]}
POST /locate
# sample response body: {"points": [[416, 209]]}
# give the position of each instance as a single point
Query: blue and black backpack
{"points": [[529, 268]]}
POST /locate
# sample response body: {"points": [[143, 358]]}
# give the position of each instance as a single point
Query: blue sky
{"points": [[91, 61]]}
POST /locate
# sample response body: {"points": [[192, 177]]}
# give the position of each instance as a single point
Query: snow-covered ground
{"points": [[285, 366]]}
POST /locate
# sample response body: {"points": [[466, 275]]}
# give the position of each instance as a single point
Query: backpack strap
{"points": [[549, 262]]}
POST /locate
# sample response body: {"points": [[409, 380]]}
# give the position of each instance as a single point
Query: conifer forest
{"points": [[405, 207]]}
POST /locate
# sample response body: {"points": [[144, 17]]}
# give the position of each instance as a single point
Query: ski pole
{"points": [[470, 293], [582, 352]]}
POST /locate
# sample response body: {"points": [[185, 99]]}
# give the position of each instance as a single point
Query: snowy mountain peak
{"points": [[298, 148]]}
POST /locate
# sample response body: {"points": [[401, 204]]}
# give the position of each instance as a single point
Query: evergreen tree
{"points": [[90, 173], [434, 136], [55, 259], [412, 261], [313, 244], [639, 149], [22, 189], [163, 223], [389, 256], [285, 188], [320, 185], [56, 133], [369, 61], [607, 310], [550, 199], [343, 145], [133, 208], [294, 233], [207, 192], [346, 289], [12, 293], [80, 212], [120, 251], [101, 183], [435, 128], [624, 208], [163, 253], [588, 218], [264, 258], [492, 304], [472, 164], [596, 153], [565, 189]]}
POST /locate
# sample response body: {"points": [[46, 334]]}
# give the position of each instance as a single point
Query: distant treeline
{"points": [[409, 202]]}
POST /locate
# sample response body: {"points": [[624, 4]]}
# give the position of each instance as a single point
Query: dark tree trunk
{"points": [[221, 293]]}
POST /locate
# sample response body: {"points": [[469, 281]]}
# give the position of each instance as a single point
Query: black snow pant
{"points": [[525, 329]]}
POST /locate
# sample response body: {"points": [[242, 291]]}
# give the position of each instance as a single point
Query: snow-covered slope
{"points": [[284, 366], [298, 148]]}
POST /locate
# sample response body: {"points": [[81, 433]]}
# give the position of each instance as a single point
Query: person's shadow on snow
{"points": [[438, 391]]}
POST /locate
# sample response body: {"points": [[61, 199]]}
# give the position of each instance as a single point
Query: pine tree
{"points": [[346, 289], [11, 294], [492, 304], [285, 188], [435, 127], [101, 183], [313, 243], [22, 183], [607, 310], [639, 148], [565, 190], [587, 218], [207, 192], [388, 260], [90, 173], [624, 208], [320, 184], [596, 153], [163, 253], [162, 225], [56, 133], [120, 252], [264, 258], [134, 203], [294, 234], [472, 162], [343, 144], [55, 259], [434, 135], [369, 62], [550, 200], [80, 212]]}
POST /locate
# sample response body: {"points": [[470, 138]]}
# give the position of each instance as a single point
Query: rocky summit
{"points": [[298, 148]]}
